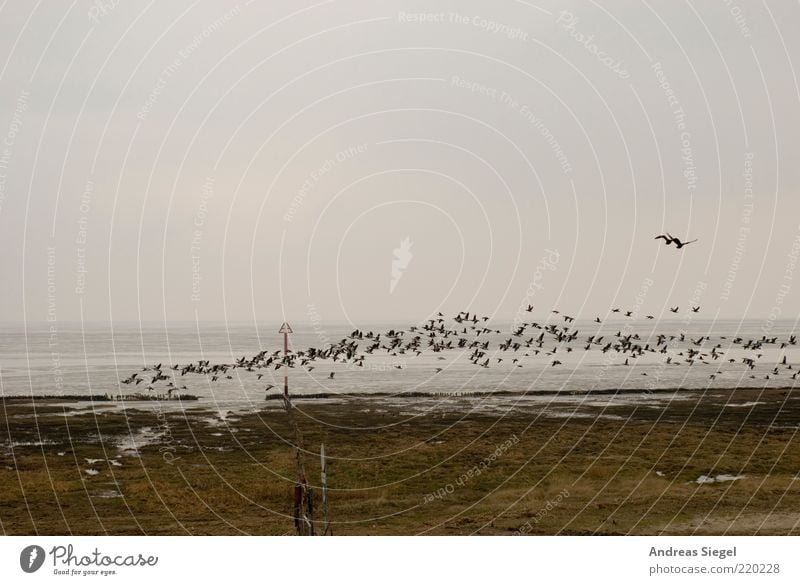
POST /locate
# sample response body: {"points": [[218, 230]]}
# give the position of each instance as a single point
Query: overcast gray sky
{"points": [[385, 160]]}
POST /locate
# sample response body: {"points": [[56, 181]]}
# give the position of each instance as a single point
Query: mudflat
{"points": [[686, 462]]}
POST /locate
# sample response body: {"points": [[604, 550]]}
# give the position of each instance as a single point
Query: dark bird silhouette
{"points": [[668, 239], [679, 244]]}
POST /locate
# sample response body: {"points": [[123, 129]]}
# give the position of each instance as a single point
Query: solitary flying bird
{"points": [[669, 239], [679, 244]]}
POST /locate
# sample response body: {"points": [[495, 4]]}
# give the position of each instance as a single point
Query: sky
{"points": [[361, 161]]}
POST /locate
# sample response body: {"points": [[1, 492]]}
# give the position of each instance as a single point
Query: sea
{"points": [[93, 359]]}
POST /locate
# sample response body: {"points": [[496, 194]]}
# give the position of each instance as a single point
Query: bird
{"points": [[668, 239], [330, 377], [695, 309], [679, 244], [674, 309]]}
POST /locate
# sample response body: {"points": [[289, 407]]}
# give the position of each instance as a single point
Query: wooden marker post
{"points": [[303, 505], [286, 330], [324, 474]]}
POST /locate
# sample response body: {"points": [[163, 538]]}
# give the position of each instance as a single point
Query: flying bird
{"points": [[669, 239], [679, 244]]}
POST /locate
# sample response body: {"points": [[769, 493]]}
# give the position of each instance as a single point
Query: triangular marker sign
{"points": [[285, 328]]}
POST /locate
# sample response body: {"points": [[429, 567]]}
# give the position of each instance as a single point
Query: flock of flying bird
{"points": [[473, 338], [484, 346]]}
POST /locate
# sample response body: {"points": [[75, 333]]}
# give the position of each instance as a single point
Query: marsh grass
{"points": [[237, 477]]}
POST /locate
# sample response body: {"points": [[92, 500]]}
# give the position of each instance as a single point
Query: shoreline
{"points": [[98, 398], [20, 398]]}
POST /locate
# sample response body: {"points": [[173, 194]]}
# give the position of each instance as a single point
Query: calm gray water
{"points": [[94, 359]]}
